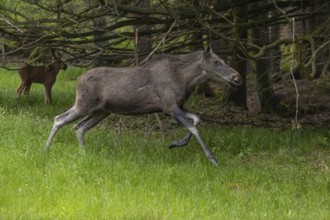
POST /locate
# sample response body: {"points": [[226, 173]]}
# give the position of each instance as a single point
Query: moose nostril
{"points": [[237, 80]]}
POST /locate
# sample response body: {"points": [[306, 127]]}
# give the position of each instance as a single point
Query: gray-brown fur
{"points": [[45, 75], [161, 85]]}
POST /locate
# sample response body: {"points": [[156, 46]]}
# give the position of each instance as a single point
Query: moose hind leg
{"points": [[60, 121], [181, 117], [186, 139], [87, 123]]}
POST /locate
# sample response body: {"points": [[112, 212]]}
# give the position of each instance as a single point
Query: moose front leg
{"points": [[182, 118], [186, 139]]}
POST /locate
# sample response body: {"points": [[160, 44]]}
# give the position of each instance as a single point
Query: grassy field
{"points": [[131, 174]]}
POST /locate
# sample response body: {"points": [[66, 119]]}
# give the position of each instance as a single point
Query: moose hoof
{"points": [[179, 143], [214, 161]]}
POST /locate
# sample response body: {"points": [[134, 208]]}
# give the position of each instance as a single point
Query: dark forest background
{"points": [[281, 48]]}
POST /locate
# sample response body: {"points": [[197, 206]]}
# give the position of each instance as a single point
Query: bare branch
{"points": [[8, 22], [160, 43]]}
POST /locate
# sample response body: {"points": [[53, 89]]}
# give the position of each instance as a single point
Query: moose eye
{"points": [[216, 62]]}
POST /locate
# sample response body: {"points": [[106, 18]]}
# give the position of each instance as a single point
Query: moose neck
{"points": [[194, 73]]}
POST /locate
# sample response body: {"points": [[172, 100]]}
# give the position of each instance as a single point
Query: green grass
{"points": [[262, 173]]}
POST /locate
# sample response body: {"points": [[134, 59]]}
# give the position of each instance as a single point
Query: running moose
{"points": [[163, 84]]}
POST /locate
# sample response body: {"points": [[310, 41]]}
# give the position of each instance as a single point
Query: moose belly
{"points": [[133, 107]]}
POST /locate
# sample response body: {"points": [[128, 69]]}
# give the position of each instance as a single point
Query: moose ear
{"points": [[207, 51]]}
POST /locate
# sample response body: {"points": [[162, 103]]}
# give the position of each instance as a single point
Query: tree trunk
{"points": [[99, 24], [143, 42], [237, 96], [275, 53], [267, 98], [197, 44]]}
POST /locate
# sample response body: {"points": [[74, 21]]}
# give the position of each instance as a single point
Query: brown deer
{"points": [[40, 74]]}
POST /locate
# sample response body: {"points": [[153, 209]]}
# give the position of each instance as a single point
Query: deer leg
{"points": [[183, 119], [27, 88], [20, 88], [60, 121], [48, 94], [185, 140], [87, 123]]}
